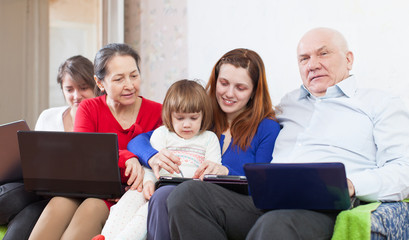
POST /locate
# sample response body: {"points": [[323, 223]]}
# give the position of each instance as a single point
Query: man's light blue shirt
{"points": [[366, 129]]}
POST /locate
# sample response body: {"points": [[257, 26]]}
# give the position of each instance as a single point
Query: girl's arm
{"points": [[149, 180], [212, 163], [164, 159], [213, 151]]}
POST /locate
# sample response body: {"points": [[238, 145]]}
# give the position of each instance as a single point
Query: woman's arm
{"points": [[141, 147], [266, 135]]}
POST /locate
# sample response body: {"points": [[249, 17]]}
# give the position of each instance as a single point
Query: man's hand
{"points": [[351, 188], [166, 160], [134, 171], [208, 167]]}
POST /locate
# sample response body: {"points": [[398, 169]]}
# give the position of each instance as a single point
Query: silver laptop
{"points": [[70, 164]]}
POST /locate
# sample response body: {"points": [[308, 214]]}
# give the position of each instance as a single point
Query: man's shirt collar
{"points": [[346, 87]]}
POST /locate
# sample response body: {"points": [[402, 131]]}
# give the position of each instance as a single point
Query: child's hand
{"points": [[208, 167], [148, 189], [135, 172]]}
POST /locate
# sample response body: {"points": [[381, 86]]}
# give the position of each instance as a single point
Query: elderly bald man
{"points": [[328, 119]]}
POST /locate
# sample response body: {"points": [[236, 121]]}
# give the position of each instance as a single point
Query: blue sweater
{"points": [[234, 158]]}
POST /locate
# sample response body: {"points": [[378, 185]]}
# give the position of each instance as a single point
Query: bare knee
{"points": [[88, 220], [61, 206], [55, 218], [93, 208]]}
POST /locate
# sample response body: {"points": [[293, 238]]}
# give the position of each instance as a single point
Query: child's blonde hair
{"points": [[187, 96]]}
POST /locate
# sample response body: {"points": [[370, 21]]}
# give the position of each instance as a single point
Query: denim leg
{"points": [[158, 221]]}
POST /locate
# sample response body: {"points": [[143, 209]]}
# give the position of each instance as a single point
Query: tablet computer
{"points": [[167, 180], [232, 182]]}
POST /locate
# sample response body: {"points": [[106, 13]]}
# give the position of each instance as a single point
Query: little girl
{"points": [[187, 115]]}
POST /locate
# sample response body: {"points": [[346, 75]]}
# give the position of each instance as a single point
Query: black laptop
{"points": [[71, 164], [10, 167], [314, 186]]}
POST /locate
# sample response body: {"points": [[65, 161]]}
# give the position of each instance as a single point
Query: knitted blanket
{"points": [[355, 223]]}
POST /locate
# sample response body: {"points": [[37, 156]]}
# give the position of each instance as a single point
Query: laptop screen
{"points": [[10, 170], [70, 163], [315, 186]]}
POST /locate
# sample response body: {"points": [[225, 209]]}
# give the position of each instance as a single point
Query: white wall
{"points": [[377, 32], [68, 39], [73, 30]]}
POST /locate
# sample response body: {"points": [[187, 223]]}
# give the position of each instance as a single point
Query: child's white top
{"points": [[192, 152]]}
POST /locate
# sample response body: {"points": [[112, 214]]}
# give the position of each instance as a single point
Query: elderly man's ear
{"points": [[350, 60]]}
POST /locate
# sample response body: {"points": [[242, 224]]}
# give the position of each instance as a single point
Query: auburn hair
{"points": [[187, 96], [244, 126]]}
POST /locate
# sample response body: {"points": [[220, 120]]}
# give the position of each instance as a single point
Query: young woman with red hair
{"points": [[244, 121]]}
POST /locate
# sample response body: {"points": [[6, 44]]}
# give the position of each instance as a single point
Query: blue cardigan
{"points": [[234, 158]]}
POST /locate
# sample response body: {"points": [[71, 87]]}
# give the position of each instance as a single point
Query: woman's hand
{"points": [[208, 167], [134, 171], [148, 189], [166, 160]]}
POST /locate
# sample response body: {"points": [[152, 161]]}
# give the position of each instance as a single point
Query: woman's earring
{"points": [[100, 87]]}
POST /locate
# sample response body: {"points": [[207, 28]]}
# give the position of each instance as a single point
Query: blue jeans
{"points": [[158, 221]]}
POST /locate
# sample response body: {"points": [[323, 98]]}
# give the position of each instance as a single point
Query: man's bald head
{"points": [[323, 59]]}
